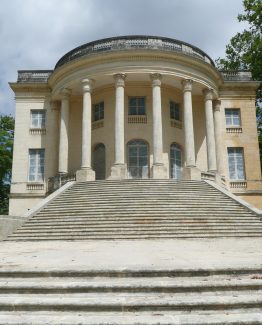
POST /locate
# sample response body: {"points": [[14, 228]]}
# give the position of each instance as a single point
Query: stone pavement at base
{"points": [[134, 255]]}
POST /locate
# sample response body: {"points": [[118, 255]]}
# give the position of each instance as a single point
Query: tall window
{"points": [[175, 161], [137, 161], [175, 113], [136, 106], [36, 165], [236, 163], [38, 118], [232, 116], [98, 111]]}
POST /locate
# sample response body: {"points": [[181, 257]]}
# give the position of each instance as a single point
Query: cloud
{"points": [[34, 34]]}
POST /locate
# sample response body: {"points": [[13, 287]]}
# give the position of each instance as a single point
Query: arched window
{"points": [[175, 161], [99, 161], [137, 159]]}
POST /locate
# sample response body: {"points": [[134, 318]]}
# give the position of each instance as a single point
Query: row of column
{"points": [[213, 137]]}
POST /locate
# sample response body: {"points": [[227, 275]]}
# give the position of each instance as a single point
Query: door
{"points": [[99, 161], [137, 160]]}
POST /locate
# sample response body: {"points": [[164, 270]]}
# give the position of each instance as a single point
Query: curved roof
{"points": [[134, 42]]}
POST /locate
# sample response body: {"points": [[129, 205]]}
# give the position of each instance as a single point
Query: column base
{"points": [[118, 171], [159, 171], [85, 174], [192, 174]]}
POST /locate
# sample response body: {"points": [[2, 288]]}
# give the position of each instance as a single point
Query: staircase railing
{"points": [[57, 181]]}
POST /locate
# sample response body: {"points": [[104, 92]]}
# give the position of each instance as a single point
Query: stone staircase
{"points": [[131, 297], [140, 209]]}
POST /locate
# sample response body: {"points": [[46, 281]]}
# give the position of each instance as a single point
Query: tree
{"points": [[6, 153], [244, 52]]}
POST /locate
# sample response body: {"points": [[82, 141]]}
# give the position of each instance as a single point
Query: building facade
{"points": [[134, 107]]}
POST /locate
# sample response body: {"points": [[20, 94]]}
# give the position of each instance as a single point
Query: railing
{"points": [[55, 182], [97, 124], [134, 42], [35, 187], [238, 184], [139, 119], [40, 76], [234, 130], [208, 176], [176, 124], [236, 75], [38, 131]]}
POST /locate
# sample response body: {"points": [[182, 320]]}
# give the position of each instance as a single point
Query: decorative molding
{"points": [[187, 85], [217, 105], [156, 79], [208, 94], [120, 79], [87, 85]]}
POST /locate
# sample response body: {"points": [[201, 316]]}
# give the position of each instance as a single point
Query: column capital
{"points": [[208, 93], [120, 79], [217, 104], [54, 104], [156, 79], [87, 85], [187, 84], [65, 93]]}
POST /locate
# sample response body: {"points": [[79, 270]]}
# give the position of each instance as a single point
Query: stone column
{"points": [[210, 135], [190, 172], [218, 136], [159, 170], [86, 173], [63, 133], [188, 124], [118, 170]]}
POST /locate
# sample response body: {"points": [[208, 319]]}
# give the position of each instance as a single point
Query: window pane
{"points": [[236, 163], [36, 165], [232, 117]]}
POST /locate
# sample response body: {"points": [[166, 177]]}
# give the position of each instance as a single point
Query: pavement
{"points": [[180, 254]]}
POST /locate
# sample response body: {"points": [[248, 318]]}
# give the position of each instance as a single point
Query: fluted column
{"points": [[86, 173], [63, 133], [210, 135], [86, 124], [218, 136], [188, 124], [159, 170], [118, 170]]}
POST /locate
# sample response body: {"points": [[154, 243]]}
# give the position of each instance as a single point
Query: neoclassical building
{"points": [[134, 107]]}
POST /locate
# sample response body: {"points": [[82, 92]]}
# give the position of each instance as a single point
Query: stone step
{"points": [[129, 301], [124, 236], [138, 228], [131, 223], [211, 317]]}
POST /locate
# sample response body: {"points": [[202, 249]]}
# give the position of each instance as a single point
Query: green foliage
{"points": [[6, 153], [244, 52]]}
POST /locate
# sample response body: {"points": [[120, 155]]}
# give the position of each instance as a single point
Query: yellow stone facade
{"points": [[111, 71]]}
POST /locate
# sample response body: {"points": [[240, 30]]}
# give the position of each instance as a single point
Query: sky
{"points": [[34, 34]]}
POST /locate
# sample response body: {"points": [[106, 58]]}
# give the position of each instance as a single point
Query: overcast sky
{"points": [[34, 34]]}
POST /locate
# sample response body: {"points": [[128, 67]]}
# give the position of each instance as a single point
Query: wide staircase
{"points": [[131, 297], [140, 209]]}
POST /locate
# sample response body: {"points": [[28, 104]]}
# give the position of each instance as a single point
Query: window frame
{"points": [[39, 165], [41, 122], [231, 117], [136, 107], [236, 168], [178, 147], [177, 107], [101, 111]]}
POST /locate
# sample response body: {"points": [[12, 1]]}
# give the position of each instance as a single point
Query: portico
{"points": [[159, 167]]}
